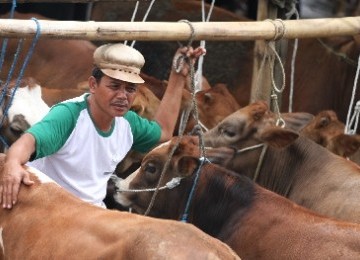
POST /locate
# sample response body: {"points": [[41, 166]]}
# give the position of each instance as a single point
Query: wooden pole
{"points": [[61, 1], [180, 31], [261, 81]]}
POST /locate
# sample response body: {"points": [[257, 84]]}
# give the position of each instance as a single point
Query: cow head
{"points": [[26, 109], [215, 104], [247, 129], [169, 202], [250, 125], [327, 130]]}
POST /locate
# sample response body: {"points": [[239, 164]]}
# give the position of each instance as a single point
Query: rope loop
{"points": [[279, 121], [280, 28], [192, 32]]}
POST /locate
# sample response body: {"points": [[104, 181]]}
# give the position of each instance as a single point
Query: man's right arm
{"points": [[13, 172]]}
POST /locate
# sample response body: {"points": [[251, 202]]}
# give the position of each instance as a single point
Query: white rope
{"points": [[291, 93], [347, 126], [174, 182], [145, 17], [354, 120], [133, 16], [199, 71]]}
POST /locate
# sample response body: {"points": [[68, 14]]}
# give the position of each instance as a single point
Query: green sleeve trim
{"points": [[146, 133], [54, 129]]}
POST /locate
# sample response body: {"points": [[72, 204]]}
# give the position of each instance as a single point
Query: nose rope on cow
{"points": [[174, 182], [261, 158]]}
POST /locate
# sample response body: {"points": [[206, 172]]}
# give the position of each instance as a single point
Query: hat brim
{"points": [[122, 75]]}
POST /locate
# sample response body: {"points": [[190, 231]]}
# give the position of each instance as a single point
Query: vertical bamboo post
{"points": [[261, 79]]}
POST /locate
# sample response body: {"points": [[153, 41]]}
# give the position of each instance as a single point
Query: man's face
{"points": [[114, 96]]}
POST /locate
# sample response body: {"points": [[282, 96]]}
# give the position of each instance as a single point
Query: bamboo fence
{"points": [[179, 31]]}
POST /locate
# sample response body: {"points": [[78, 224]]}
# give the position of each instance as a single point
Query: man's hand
{"points": [[182, 54], [13, 175]]}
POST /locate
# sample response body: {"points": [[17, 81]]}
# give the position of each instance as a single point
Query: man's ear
{"points": [[92, 84]]}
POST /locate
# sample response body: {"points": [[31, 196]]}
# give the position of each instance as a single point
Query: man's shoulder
{"points": [[74, 104]]}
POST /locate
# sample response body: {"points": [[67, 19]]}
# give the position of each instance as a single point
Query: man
{"points": [[80, 141]]}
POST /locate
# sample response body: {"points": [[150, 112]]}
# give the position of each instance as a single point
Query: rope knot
{"points": [[280, 28]]}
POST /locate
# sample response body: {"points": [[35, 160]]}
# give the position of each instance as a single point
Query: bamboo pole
{"points": [[61, 1], [178, 31]]}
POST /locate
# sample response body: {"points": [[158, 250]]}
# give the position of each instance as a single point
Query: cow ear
{"points": [[187, 165], [346, 145], [297, 120], [278, 137]]}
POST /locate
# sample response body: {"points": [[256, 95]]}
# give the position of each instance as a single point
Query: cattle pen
{"points": [[243, 56]]}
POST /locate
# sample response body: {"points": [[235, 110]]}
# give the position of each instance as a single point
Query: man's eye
{"points": [[131, 89]]}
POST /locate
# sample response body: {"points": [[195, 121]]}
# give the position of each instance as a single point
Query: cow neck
{"points": [[221, 200], [261, 158]]}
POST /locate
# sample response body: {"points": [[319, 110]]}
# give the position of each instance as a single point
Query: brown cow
{"points": [[301, 170], [55, 63], [324, 74], [50, 223], [256, 223], [213, 103], [327, 130]]}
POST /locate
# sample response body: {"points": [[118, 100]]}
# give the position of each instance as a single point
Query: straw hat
{"points": [[120, 61]]}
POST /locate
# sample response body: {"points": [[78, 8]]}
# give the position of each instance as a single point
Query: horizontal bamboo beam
{"points": [[66, 1], [181, 31]]}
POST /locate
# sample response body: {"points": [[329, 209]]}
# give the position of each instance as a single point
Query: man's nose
{"points": [[121, 92]]}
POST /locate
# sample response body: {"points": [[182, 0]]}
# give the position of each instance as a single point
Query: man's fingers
{"points": [[7, 196], [15, 191]]}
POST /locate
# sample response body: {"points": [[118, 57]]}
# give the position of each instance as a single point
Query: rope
{"points": [[174, 182], [354, 120], [5, 41], [192, 33], [199, 73], [293, 58], [191, 194], [167, 163], [348, 121], [279, 28], [24, 65], [261, 159], [145, 17], [133, 16]]}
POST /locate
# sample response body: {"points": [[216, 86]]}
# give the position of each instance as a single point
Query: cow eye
{"points": [[150, 168], [227, 131]]}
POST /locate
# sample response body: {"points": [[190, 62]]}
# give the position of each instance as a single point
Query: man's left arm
{"points": [[169, 108]]}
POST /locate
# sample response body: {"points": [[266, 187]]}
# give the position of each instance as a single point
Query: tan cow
{"points": [[256, 223], [50, 223], [291, 165]]}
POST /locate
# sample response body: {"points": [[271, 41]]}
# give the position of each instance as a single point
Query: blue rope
{"points": [[11, 72], [186, 211], [22, 70], [5, 41]]}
